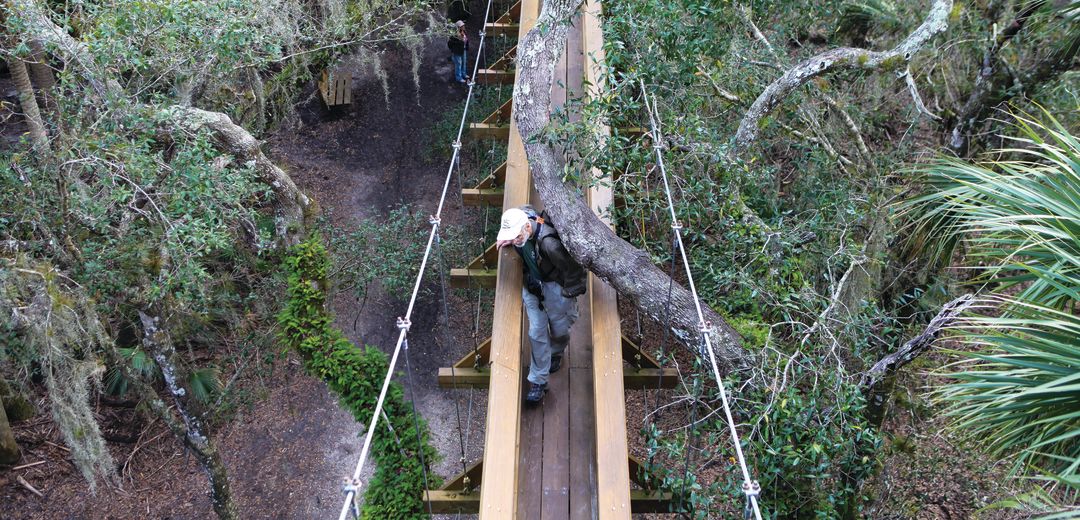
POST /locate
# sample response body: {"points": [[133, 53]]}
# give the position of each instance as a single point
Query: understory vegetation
{"points": [[401, 451], [142, 229]]}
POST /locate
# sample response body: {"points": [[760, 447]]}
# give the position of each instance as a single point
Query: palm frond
{"points": [[1018, 385], [205, 383], [1016, 219]]}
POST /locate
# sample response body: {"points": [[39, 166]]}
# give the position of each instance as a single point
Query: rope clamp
{"points": [[403, 323], [482, 33], [676, 225], [705, 327], [433, 220], [350, 485], [751, 489], [456, 144], [471, 83]]}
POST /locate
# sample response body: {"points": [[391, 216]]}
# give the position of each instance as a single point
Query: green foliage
{"points": [[116, 383], [858, 17], [1016, 218], [816, 449], [387, 251], [355, 376]]}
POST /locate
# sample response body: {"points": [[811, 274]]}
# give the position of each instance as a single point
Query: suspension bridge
{"points": [[569, 457]]}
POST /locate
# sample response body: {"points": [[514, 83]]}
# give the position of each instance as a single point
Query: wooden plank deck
{"points": [[567, 457], [498, 487]]}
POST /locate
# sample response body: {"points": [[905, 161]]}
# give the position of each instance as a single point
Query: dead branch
{"points": [[839, 59], [191, 432], [29, 488], [992, 86], [918, 344]]}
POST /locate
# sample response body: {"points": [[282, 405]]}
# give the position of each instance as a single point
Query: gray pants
{"points": [[549, 328]]}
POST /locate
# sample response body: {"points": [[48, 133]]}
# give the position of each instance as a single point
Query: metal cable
{"points": [[353, 484], [751, 488], [416, 424], [446, 339], [694, 394]]}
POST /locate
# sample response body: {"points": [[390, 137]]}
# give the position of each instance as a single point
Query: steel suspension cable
{"points": [[663, 346], [416, 423], [696, 390], [446, 339], [751, 488], [403, 323]]}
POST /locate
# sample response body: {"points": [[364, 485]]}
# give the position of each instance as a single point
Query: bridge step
{"points": [[495, 77], [510, 29], [489, 131], [482, 196], [466, 278], [637, 379]]}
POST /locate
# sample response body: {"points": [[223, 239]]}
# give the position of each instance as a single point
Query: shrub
{"points": [[356, 375]]}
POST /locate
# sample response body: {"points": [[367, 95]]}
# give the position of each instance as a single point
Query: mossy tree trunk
{"points": [[16, 405], [189, 429], [28, 103], [9, 449]]}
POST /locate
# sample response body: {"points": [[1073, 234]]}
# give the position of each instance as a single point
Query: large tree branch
{"points": [[628, 269], [159, 345], [293, 206], [39, 26], [839, 59], [876, 383], [28, 103]]}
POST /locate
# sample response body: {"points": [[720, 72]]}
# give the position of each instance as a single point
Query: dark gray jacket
{"points": [[556, 264]]}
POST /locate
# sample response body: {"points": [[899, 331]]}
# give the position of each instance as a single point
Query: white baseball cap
{"points": [[513, 220]]}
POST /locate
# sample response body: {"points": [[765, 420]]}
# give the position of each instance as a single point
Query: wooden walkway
{"points": [[566, 458]]}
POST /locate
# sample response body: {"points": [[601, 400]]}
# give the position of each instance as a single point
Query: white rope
{"points": [[352, 485], [750, 487]]}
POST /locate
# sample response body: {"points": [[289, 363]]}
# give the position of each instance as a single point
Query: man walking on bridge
{"points": [[552, 282]]}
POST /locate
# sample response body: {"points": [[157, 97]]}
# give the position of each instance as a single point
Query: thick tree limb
{"points": [[292, 205], [40, 27], [876, 382], [589, 241], [839, 59], [160, 346], [28, 103]]}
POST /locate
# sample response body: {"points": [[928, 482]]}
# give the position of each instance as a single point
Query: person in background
{"points": [[459, 46], [552, 283]]}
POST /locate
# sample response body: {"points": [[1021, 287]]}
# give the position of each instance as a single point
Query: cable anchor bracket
{"points": [[752, 490], [351, 485]]}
